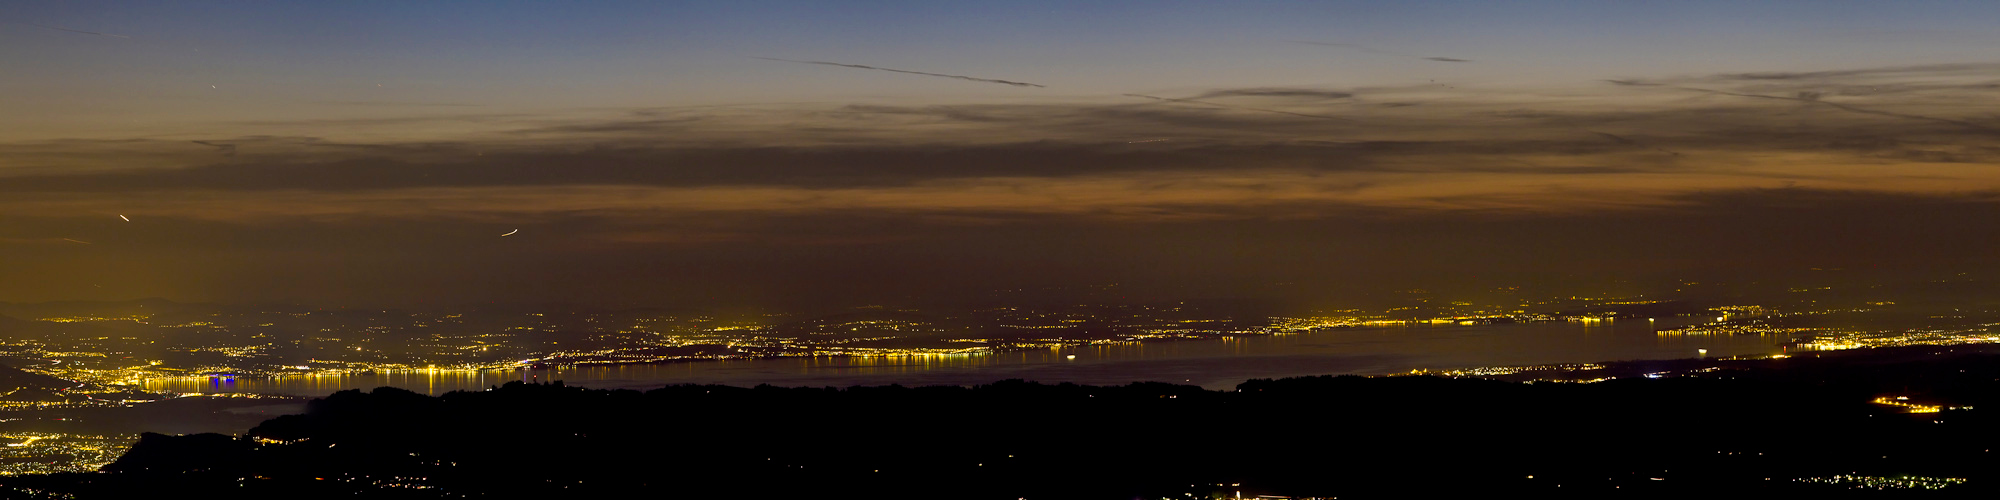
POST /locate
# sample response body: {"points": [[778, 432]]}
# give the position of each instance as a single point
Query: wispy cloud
{"points": [[400, 104], [1372, 50], [1232, 106], [225, 149], [1814, 98], [1627, 140], [941, 75], [76, 31], [1283, 92], [1924, 69]]}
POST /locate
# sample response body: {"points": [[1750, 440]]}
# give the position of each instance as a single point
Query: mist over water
{"points": [[1214, 364]]}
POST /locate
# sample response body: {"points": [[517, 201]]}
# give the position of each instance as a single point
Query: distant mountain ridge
{"points": [[152, 305], [12, 327]]}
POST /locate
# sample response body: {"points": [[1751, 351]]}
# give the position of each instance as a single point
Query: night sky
{"points": [[775, 153]]}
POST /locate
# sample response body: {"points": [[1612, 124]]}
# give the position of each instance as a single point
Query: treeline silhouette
{"points": [[1744, 431]]}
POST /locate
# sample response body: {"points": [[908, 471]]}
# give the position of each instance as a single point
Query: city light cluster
{"points": [[1489, 371], [119, 354], [1886, 483], [1871, 340], [48, 452], [1912, 406]]}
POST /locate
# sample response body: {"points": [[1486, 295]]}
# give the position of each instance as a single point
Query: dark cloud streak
{"points": [[225, 149], [1813, 99], [400, 104], [1981, 68], [1628, 141], [1280, 92], [1372, 50], [940, 75], [1232, 106]]}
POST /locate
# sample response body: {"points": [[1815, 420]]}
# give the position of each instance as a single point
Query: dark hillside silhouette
{"points": [[1718, 433]]}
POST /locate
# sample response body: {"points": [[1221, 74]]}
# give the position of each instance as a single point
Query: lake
{"points": [[1215, 364]]}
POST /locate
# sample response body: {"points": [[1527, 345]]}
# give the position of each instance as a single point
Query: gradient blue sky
{"points": [[289, 60]]}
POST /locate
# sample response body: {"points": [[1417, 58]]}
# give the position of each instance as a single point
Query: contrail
{"points": [[1852, 109], [960, 77], [1373, 50], [226, 149], [77, 241], [1246, 108], [78, 31]]}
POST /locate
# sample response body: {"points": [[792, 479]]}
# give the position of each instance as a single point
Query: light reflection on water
{"points": [[1216, 364]]}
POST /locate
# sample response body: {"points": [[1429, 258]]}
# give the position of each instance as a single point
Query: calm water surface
{"points": [[1215, 364]]}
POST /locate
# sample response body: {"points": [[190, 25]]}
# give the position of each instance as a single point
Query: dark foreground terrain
{"points": [[1740, 429]]}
